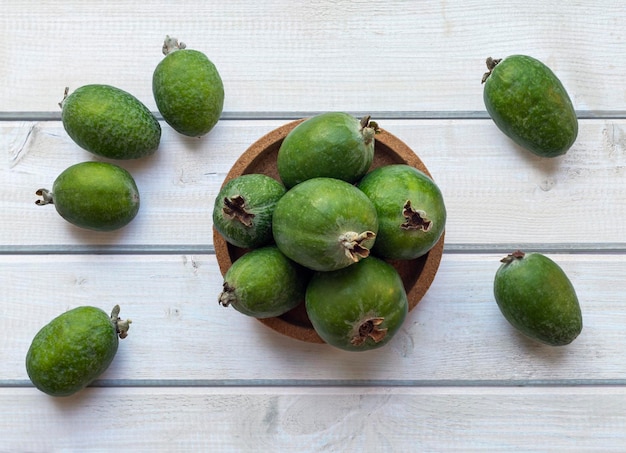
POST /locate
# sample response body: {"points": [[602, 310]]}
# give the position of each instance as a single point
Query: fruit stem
{"points": [[369, 129], [415, 220], [352, 243], [46, 195], [235, 209], [121, 326], [491, 63], [65, 93], [370, 328], [171, 44], [227, 296], [517, 255]]}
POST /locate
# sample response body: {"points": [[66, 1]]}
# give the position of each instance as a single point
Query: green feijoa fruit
{"points": [[529, 104], [94, 195], [188, 89], [332, 144], [110, 122], [73, 349], [243, 209], [325, 224], [537, 298], [264, 283], [411, 211], [357, 308]]}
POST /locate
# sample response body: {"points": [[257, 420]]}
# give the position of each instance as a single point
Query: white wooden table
{"points": [[193, 376]]}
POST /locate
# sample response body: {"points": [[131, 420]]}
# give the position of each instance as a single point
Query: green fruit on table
{"points": [[332, 144], [264, 283], [325, 224], [411, 211], [537, 298], [243, 209], [94, 195], [188, 89], [529, 104], [73, 349], [110, 122], [357, 308]]}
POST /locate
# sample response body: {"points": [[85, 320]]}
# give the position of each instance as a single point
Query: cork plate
{"points": [[417, 275]]}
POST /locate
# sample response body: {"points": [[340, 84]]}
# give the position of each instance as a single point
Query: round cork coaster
{"points": [[417, 275]]}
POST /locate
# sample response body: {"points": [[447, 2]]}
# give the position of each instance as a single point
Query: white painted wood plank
{"points": [[495, 192], [181, 336], [359, 55], [182, 178], [195, 376], [317, 420]]}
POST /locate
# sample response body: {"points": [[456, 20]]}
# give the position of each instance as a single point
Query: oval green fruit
{"points": [[411, 211], [188, 89], [243, 209], [357, 308], [73, 349], [333, 144], [264, 283], [537, 298], [94, 195], [529, 104], [110, 122], [325, 224]]}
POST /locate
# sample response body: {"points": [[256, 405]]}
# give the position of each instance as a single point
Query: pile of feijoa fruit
{"points": [[113, 124], [325, 233], [335, 242], [530, 105], [77, 346]]}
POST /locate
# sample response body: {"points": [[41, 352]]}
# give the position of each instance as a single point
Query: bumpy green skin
{"points": [[311, 217], [71, 351], [529, 104], [110, 122], [260, 193], [332, 144], [390, 187], [96, 195], [188, 91], [338, 302], [538, 299], [264, 283]]}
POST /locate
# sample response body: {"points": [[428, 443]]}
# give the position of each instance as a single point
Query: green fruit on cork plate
{"points": [[188, 89], [243, 209], [73, 349], [357, 308], [411, 211], [264, 283], [332, 144], [325, 224], [537, 298], [94, 195], [529, 104], [110, 122]]}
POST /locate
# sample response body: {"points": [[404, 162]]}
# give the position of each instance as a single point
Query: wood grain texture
{"points": [[495, 192], [194, 376], [180, 334], [277, 56], [318, 420]]}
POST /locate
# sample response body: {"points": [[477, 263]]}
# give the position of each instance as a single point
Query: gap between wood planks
{"points": [[336, 383], [208, 249], [293, 115]]}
